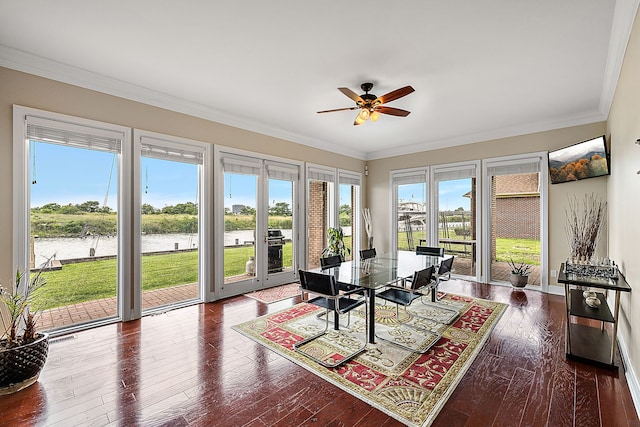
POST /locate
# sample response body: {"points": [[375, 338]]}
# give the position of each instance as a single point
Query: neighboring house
{"points": [[516, 212]]}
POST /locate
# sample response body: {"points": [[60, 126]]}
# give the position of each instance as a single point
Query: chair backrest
{"points": [[422, 278], [330, 261], [368, 253], [429, 250], [445, 266], [318, 283]]}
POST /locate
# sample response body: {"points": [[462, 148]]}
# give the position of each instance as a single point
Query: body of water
{"points": [[72, 248]]}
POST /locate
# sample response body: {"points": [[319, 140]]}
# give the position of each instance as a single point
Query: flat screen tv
{"points": [[586, 159]]}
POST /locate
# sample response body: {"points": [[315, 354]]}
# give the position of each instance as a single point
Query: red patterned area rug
{"points": [[275, 294], [411, 387]]}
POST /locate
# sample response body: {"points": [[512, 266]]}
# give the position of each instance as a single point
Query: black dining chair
{"points": [[330, 261], [429, 250], [421, 281], [443, 274], [330, 298], [368, 253], [325, 263]]}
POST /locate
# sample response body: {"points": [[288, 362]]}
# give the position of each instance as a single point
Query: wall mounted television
{"points": [[586, 159]]}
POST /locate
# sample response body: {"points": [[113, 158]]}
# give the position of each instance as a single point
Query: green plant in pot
{"points": [[23, 351], [519, 273], [335, 243]]}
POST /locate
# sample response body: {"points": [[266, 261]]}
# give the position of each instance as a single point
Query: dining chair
{"points": [[429, 250], [368, 253], [330, 261], [325, 263], [421, 280], [332, 300], [443, 274]]}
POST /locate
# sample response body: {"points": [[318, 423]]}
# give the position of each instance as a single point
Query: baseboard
{"points": [[632, 378]]}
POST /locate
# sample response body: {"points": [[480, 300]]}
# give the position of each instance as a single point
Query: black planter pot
{"points": [[21, 366]]}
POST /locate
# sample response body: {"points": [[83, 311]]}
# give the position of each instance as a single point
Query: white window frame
{"points": [[511, 163], [254, 160], [177, 146], [395, 178], [22, 197], [355, 179], [473, 169]]}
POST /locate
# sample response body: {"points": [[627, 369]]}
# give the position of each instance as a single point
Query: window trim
{"points": [[22, 197], [396, 177], [475, 166], [196, 151], [507, 162]]}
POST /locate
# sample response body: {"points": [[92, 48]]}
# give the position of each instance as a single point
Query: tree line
{"points": [[93, 206]]}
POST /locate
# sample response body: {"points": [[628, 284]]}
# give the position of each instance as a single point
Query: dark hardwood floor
{"points": [[187, 367]]}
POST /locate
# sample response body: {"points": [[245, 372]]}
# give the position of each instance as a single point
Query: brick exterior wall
{"points": [[317, 221], [515, 208], [518, 217], [517, 184]]}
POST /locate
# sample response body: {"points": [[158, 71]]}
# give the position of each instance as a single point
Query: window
{"points": [[70, 208], [410, 223], [515, 216], [170, 186], [455, 209]]}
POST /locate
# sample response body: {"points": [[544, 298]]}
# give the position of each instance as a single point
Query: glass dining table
{"points": [[374, 273]]}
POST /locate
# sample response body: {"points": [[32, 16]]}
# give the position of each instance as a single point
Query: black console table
{"points": [[587, 343]]}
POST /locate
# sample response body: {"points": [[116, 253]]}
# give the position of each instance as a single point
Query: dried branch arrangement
{"points": [[584, 221], [367, 225]]}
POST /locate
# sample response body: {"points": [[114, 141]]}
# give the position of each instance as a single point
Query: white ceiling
{"points": [[480, 69]]}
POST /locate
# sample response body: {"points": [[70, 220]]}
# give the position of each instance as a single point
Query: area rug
{"points": [[275, 294], [408, 386]]}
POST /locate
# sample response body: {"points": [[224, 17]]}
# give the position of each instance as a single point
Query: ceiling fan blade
{"points": [[392, 96], [338, 109], [351, 94], [392, 111]]}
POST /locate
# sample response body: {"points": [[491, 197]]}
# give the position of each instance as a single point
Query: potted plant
{"points": [[335, 243], [519, 274], [23, 351]]}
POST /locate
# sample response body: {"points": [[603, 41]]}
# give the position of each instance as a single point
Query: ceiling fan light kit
{"points": [[370, 105]]}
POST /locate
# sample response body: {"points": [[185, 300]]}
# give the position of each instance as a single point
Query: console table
{"points": [[588, 343]]}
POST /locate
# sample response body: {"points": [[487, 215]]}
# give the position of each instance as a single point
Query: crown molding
{"points": [[569, 121], [623, 17], [43, 67]]}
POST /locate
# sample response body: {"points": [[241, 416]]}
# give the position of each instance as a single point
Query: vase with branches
{"points": [[584, 223]]}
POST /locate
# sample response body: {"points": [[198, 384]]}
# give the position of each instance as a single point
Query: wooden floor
{"points": [[187, 367]]}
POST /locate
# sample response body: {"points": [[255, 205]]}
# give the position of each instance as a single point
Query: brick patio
{"points": [[105, 308]]}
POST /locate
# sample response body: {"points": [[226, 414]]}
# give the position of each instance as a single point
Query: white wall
{"points": [[624, 197]]}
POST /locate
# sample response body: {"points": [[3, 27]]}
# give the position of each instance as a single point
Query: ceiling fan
{"points": [[370, 105]]}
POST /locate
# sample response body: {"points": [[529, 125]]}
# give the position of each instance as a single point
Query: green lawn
{"points": [[88, 281], [520, 250]]}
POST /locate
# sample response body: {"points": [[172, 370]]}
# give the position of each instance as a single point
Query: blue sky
{"points": [[65, 175], [450, 193]]}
